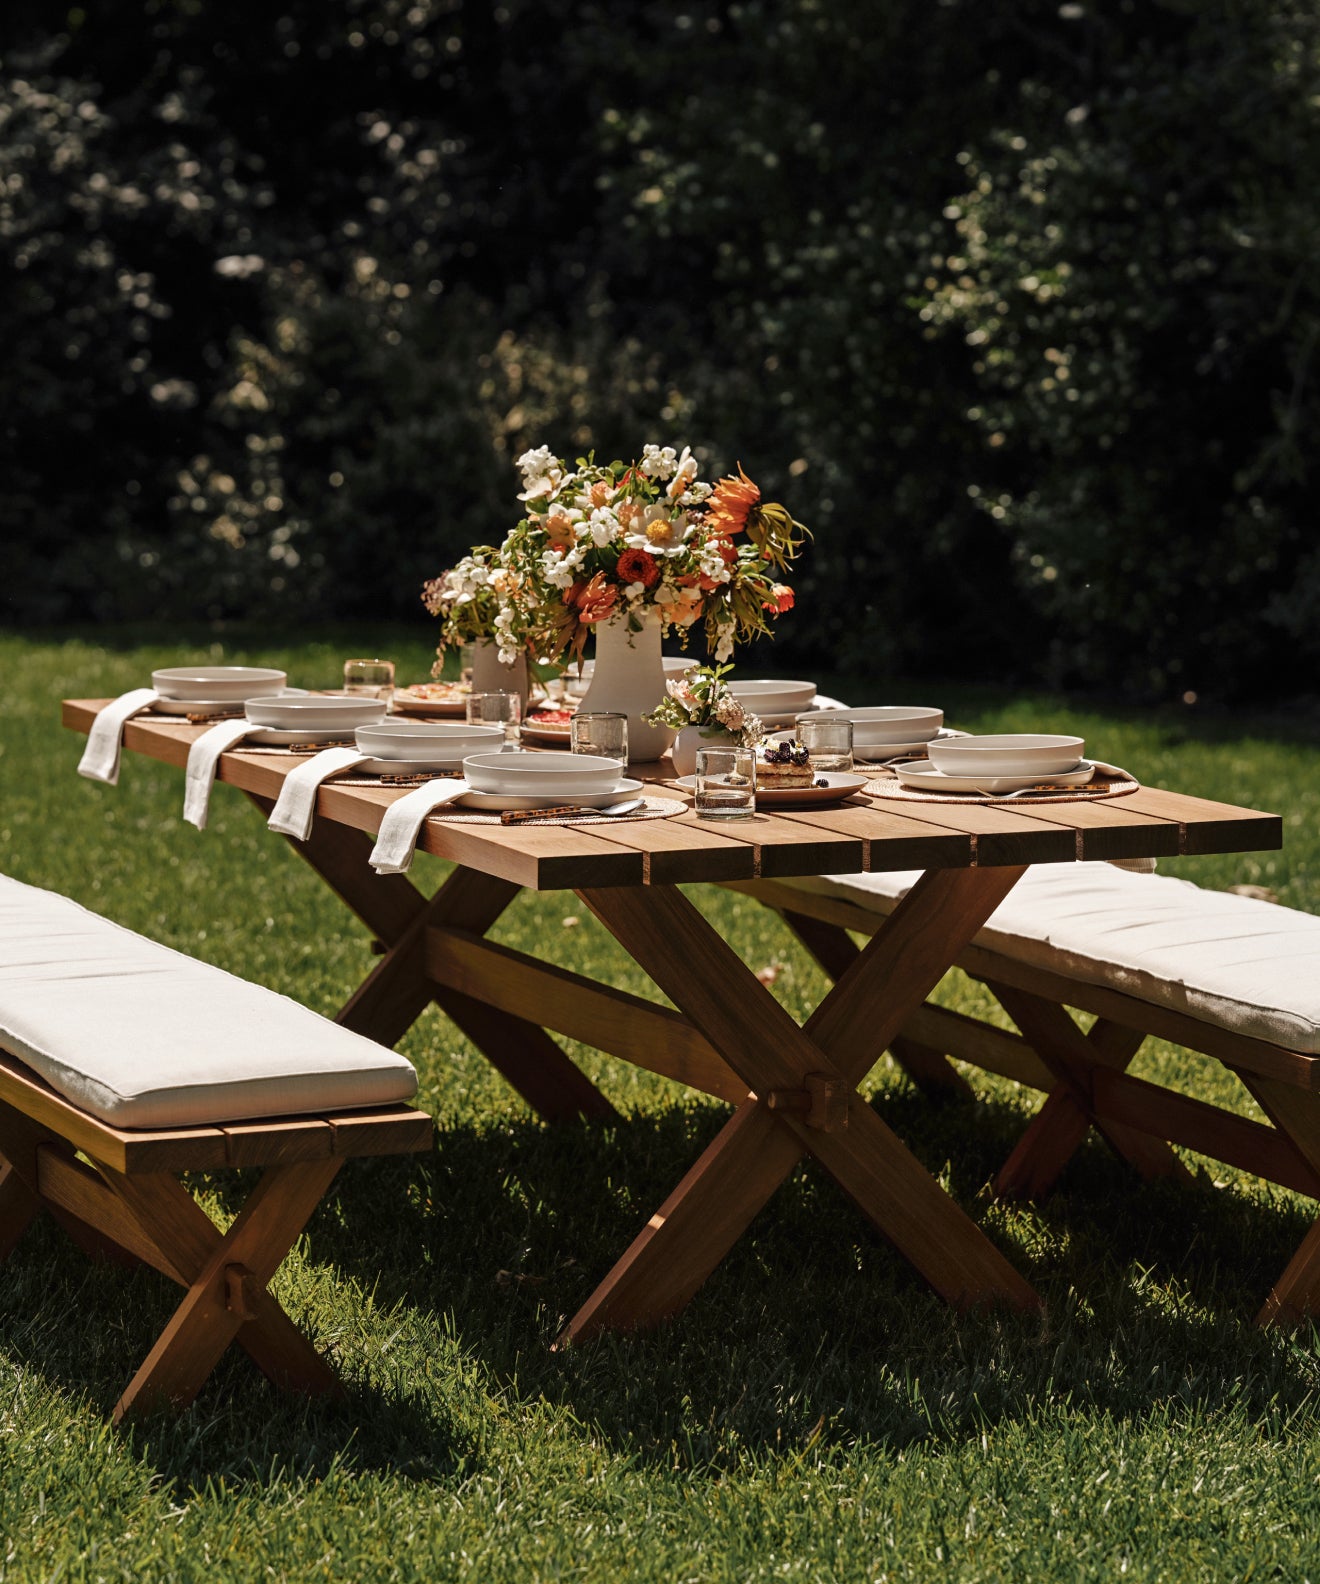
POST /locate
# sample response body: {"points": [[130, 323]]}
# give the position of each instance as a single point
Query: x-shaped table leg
{"points": [[397, 991], [782, 1065]]}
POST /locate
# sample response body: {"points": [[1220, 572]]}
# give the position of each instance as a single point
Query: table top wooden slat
{"points": [[836, 839]]}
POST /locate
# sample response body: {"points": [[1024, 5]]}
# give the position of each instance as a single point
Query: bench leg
{"points": [[1068, 1113], [227, 1295], [1296, 1113], [18, 1207]]}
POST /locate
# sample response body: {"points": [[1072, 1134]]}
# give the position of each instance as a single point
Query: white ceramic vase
{"points": [[690, 738], [629, 679], [489, 676]]}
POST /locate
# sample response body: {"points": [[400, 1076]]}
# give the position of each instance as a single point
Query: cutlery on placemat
{"points": [[517, 816]]}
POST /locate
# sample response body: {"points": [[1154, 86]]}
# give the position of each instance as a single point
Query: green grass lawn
{"points": [[815, 1413]]}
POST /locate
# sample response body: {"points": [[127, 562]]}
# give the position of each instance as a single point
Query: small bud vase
{"points": [[690, 738], [629, 679], [489, 676]]}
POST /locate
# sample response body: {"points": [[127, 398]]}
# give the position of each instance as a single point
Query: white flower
{"points": [[662, 532], [535, 464], [659, 462], [684, 472], [603, 526]]}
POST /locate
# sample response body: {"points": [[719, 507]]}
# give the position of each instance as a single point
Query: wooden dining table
{"points": [[792, 1088]]}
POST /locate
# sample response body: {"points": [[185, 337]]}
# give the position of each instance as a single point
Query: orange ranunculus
{"points": [[781, 599], [560, 533], [593, 601], [637, 566], [731, 504]]}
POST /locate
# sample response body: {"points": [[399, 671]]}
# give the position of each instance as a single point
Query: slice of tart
{"points": [[781, 765]]}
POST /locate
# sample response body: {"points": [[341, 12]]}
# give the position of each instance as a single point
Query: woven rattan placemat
{"points": [[1098, 790]]}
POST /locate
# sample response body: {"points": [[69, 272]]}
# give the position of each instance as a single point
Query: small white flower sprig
{"points": [[701, 697], [628, 541], [477, 599]]}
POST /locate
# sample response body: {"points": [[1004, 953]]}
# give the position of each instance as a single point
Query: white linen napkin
{"points": [[100, 760], [296, 805], [399, 830], [203, 757]]}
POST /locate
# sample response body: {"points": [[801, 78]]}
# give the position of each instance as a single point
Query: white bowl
{"points": [[878, 724], [773, 697], [542, 774], [429, 739], [313, 711], [1006, 754], [214, 683]]}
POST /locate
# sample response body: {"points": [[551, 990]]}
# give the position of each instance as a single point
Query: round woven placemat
{"points": [[1099, 790]]}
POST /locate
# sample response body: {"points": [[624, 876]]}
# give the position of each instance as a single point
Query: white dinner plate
{"points": [[840, 785], [272, 737], [508, 800], [922, 774], [164, 706], [411, 767]]}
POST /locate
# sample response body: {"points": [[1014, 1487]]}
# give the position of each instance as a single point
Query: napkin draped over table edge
{"points": [[105, 740], [396, 841], [295, 808], [203, 757]]}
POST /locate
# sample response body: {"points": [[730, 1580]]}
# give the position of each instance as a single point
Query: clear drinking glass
{"points": [[370, 678], [829, 744], [725, 783], [599, 732], [467, 657], [497, 709]]}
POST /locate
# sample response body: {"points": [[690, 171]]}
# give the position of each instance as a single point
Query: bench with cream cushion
{"points": [[123, 1063], [1231, 977]]}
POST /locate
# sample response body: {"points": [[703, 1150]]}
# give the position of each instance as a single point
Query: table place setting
{"points": [[1001, 767], [189, 693]]}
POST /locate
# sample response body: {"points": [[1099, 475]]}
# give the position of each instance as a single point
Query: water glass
{"points": [[599, 732], [497, 709], [829, 744], [370, 679], [725, 783]]}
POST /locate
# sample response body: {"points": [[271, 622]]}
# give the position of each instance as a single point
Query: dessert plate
{"points": [[445, 699], [924, 776], [499, 801], [839, 785]]}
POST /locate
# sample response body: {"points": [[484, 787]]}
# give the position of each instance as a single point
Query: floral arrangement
{"points": [[478, 599], [701, 697], [648, 538]]}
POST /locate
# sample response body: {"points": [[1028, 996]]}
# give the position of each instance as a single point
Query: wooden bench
{"points": [[1229, 977], [79, 996]]}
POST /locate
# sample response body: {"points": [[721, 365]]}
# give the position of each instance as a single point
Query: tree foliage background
{"points": [[1015, 305]]}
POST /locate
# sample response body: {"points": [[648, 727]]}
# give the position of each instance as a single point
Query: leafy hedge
{"points": [[1015, 305]]}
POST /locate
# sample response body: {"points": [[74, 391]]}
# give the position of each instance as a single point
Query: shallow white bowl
{"points": [[878, 724], [213, 683], [313, 711], [430, 739], [774, 697], [1006, 754], [542, 774]]}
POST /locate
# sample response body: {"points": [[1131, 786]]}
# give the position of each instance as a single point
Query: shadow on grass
{"points": [[811, 1332]]}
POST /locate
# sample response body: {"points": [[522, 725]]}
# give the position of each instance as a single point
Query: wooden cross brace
{"points": [[150, 1217]]}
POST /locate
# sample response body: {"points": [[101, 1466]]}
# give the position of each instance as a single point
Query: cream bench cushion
{"points": [[1237, 962], [144, 1037]]}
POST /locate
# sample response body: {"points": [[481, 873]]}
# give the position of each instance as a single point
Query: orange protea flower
{"points": [[637, 566], [781, 599], [731, 503], [593, 601]]}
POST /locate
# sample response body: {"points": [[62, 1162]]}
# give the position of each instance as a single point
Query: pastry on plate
{"points": [[783, 764]]}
